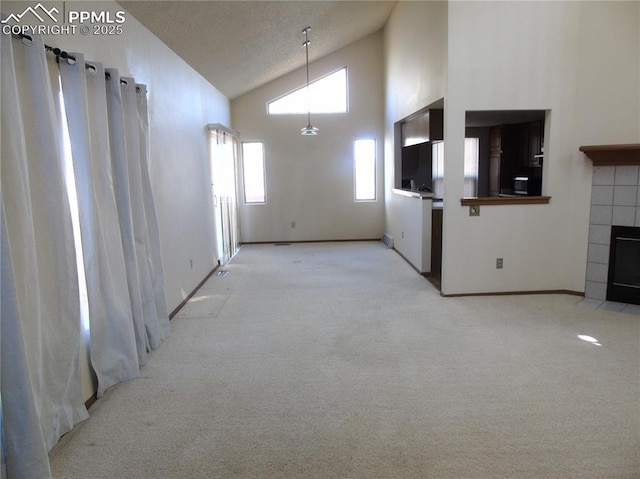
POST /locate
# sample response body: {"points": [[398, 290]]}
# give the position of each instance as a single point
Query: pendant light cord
{"points": [[309, 129], [306, 47]]}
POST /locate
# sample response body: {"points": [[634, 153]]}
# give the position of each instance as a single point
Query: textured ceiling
{"points": [[241, 45]]}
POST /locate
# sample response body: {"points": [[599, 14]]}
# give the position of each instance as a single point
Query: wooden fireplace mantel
{"points": [[608, 155]]}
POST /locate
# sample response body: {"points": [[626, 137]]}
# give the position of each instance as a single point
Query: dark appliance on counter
{"points": [[521, 185], [528, 185]]}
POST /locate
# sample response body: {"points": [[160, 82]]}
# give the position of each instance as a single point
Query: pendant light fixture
{"points": [[309, 129]]}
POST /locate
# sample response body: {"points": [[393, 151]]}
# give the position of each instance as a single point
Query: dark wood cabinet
{"points": [[523, 144], [515, 151], [530, 143], [509, 167], [425, 126], [535, 132], [436, 241], [417, 135], [495, 157]]}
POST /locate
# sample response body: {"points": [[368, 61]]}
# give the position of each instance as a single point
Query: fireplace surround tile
{"points": [[615, 201], [598, 253], [600, 234], [625, 195], [602, 195], [624, 215], [613, 306], [595, 290], [604, 175], [593, 303], [632, 309], [626, 175], [601, 215], [597, 272]]}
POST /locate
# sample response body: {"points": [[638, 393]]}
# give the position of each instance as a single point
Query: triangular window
{"points": [[326, 95]]}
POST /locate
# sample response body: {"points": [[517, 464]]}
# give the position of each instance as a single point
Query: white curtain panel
{"points": [[113, 347], [23, 446], [40, 238], [120, 172], [134, 145], [153, 249], [151, 325]]}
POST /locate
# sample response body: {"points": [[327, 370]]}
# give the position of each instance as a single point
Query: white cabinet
{"points": [[411, 227]]}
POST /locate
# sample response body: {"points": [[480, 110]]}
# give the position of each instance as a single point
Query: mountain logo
{"points": [[34, 11]]}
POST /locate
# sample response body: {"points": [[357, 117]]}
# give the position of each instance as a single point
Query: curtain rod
{"points": [[62, 54], [221, 127], [56, 51]]}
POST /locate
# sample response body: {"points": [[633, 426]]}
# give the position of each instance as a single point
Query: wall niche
{"points": [[414, 137]]}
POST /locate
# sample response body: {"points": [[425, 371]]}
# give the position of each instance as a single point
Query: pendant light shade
{"points": [[308, 130]]}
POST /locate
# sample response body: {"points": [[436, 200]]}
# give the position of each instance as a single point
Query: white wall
{"points": [[310, 179], [577, 59], [415, 40], [181, 104]]}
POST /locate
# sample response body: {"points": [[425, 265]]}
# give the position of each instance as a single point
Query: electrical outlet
{"points": [[293, 224], [498, 263], [474, 210], [191, 263]]}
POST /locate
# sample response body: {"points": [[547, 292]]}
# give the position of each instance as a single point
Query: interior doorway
{"points": [[224, 153]]}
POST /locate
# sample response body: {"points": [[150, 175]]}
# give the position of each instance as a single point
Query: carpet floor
{"points": [[337, 360]]}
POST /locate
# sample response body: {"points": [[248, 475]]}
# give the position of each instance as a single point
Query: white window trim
{"points": [[345, 68], [264, 176], [375, 171]]}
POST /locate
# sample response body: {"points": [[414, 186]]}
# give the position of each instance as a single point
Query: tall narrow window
{"points": [[253, 172], [364, 153], [70, 182], [471, 156], [437, 151]]}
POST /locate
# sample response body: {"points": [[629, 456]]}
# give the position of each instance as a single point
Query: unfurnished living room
{"points": [[320, 239]]}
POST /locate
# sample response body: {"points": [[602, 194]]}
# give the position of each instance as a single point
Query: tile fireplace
{"points": [[613, 259]]}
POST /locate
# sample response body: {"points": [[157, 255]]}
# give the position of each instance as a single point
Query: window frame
{"points": [[470, 179], [306, 108], [244, 177], [375, 171], [437, 179]]}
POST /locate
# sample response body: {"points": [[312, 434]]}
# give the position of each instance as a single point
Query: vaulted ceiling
{"points": [[240, 45]]}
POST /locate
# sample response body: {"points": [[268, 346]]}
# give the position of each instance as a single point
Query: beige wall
{"points": [[310, 179]]}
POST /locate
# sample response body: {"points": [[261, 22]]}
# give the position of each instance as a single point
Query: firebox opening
{"points": [[624, 265]]}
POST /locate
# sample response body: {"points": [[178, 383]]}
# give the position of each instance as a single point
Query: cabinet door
{"points": [[495, 156], [509, 157], [524, 132], [535, 142]]}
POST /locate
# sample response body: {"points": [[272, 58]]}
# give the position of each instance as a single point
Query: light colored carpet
{"points": [[336, 360]]}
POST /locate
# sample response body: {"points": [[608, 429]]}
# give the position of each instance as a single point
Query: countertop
{"points": [[413, 194]]}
